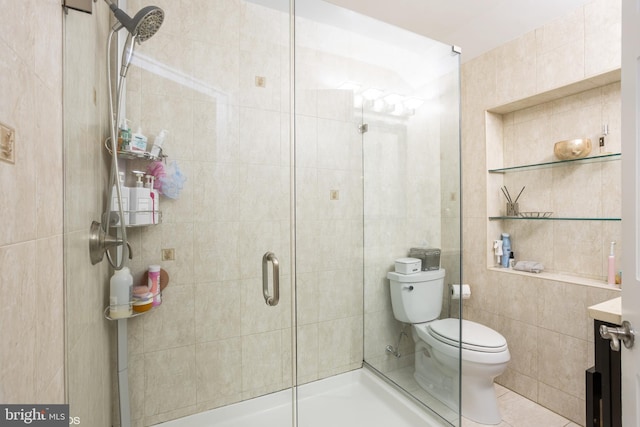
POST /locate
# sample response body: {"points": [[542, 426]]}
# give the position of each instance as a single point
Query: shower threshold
{"points": [[356, 398]]}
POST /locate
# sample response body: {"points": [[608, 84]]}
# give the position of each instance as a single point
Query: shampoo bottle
{"points": [[120, 290], [140, 199], [611, 273], [506, 249], [115, 207]]}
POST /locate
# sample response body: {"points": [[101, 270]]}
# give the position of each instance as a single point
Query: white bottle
{"points": [[115, 206], [140, 199], [120, 293], [158, 141], [155, 198]]}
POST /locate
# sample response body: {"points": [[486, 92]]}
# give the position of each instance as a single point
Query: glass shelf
{"points": [[544, 165], [551, 218]]}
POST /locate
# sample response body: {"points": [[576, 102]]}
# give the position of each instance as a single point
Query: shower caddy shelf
{"points": [[553, 164], [133, 155], [105, 312], [151, 213], [134, 314]]}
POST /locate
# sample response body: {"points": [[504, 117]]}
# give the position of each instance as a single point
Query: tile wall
{"points": [[545, 321], [31, 265]]}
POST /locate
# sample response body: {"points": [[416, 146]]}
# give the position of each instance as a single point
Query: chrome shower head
{"points": [[143, 25]]}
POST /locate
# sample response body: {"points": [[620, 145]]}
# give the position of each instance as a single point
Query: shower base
{"points": [[356, 398]]}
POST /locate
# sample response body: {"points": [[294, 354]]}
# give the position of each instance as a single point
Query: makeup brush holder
{"points": [[512, 209]]}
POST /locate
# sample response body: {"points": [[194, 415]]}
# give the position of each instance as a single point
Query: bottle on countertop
{"points": [[506, 249]]}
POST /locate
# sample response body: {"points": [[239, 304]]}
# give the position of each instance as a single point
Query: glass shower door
{"points": [[377, 173], [216, 76]]}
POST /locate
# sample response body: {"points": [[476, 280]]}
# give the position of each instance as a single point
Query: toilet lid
{"points": [[475, 336]]}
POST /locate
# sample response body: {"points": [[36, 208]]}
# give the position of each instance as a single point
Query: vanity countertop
{"points": [[608, 311]]}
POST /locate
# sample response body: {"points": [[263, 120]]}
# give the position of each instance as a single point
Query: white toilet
{"points": [[417, 299]]}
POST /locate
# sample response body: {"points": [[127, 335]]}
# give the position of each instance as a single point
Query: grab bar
{"points": [[271, 300]]}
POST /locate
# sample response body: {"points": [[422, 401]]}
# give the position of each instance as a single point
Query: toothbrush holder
{"points": [[512, 209]]}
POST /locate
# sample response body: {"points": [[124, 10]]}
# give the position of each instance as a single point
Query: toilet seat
{"points": [[475, 337]]}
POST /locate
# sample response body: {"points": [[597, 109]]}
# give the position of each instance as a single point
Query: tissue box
{"points": [[430, 257], [408, 265]]}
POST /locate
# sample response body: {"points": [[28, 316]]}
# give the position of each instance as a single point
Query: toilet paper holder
{"points": [[460, 291]]}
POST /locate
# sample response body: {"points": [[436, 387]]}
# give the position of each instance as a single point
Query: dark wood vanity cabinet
{"points": [[603, 388]]}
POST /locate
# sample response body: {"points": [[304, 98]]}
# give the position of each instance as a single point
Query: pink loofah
{"points": [[156, 169]]}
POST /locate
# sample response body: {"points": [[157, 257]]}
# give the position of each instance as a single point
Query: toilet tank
{"points": [[417, 298]]}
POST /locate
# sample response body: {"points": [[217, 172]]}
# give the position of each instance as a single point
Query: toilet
{"points": [[417, 299]]}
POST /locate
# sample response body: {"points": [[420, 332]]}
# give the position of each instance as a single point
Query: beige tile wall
{"points": [[545, 321], [31, 270]]}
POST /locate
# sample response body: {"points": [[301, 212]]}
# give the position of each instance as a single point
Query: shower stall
{"points": [[314, 139]]}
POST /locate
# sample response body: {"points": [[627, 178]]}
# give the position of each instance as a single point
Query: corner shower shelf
{"points": [[151, 214], [134, 314], [135, 155], [544, 165]]}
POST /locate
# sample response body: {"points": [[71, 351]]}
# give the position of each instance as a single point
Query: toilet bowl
{"points": [[484, 354], [440, 351]]}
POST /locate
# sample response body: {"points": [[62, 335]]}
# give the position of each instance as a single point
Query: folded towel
{"points": [[530, 266]]}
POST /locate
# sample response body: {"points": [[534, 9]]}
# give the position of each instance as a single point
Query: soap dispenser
{"points": [[140, 199]]}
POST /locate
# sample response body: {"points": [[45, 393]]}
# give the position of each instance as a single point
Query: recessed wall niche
{"points": [[584, 196]]}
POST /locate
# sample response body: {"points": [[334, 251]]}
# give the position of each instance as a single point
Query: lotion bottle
{"points": [[611, 273], [156, 149]]}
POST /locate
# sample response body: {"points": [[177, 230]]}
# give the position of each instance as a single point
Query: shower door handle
{"points": [[270, 300]]}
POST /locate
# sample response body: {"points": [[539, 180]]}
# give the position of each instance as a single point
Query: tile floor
{"points": [[517, 411]]}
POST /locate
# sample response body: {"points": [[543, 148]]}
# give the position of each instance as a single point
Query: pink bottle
{"points": [[154, 284], [611, 273]]}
